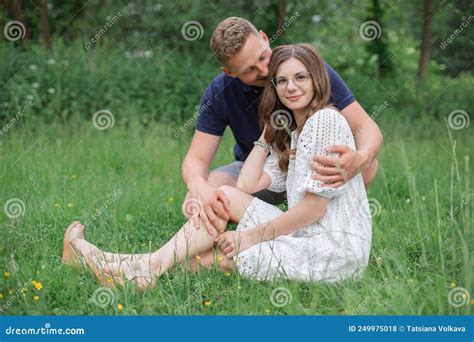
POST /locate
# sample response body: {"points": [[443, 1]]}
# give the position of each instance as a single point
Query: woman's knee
{"points": [[238, 201], [228, 190]]}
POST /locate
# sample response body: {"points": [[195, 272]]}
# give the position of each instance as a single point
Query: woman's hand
{"points": [[232, 242]]}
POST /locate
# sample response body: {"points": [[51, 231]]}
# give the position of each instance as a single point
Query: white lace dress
{"points": [[329, 250]]}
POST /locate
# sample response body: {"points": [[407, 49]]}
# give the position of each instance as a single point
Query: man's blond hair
{"points": [[229, 37]]}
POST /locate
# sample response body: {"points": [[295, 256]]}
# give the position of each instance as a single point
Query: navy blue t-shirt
{"points": [[230, 102]]}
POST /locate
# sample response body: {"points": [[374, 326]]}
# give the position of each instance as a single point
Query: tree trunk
{"points": [[18, 15], [281, 15], [378, 43], [45, 30], [425, 39]]}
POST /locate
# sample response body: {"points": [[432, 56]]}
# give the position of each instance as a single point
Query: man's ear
{"points": [[264, 37], [228, 72]]}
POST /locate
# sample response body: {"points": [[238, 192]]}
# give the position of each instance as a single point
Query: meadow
{"points": [[125, 182]]}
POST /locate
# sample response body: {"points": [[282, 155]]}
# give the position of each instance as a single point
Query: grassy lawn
{"points": [[126, 183]]}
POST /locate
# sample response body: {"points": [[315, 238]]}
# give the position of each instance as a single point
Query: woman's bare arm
{"points": [[252, 178]]}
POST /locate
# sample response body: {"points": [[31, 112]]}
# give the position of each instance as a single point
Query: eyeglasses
{"points": [[299, 80]]}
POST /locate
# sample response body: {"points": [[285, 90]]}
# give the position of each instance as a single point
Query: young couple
{"points": [[294, 122]]}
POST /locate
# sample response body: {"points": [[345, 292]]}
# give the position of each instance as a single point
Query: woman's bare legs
{"points": [[186, 243], [239, 202], [143, 269], [68, 253], [189, 242]]}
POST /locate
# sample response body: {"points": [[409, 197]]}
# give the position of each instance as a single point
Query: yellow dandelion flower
{"points": [[36, 298], [56, 205], [33, 282], [453, 284], [110, 280], [119, 307], [6, 274], [227, 273], [70, 205], [38, 286], [219, 258], [207, 302], [198, 257]]}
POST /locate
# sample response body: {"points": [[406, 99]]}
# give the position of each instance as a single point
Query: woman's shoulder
{"points": [[326, 117]]}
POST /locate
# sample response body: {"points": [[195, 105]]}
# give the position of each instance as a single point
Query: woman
{"points": [[325, 235]]}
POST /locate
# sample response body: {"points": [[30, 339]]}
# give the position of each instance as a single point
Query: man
{"points": [[232, 99]]}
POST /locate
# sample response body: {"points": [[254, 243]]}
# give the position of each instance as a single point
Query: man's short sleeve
{"points": [[341, 96], [210, 119]]}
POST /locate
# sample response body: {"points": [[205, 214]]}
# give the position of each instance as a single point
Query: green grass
{"points": [[66, 172]]}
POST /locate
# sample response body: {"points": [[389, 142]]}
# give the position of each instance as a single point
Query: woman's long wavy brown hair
{"points": [[270, 106]]}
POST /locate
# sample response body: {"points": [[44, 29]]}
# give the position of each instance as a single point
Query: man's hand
{"points": [[210, 205], [232, 242], [337, 171]]}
